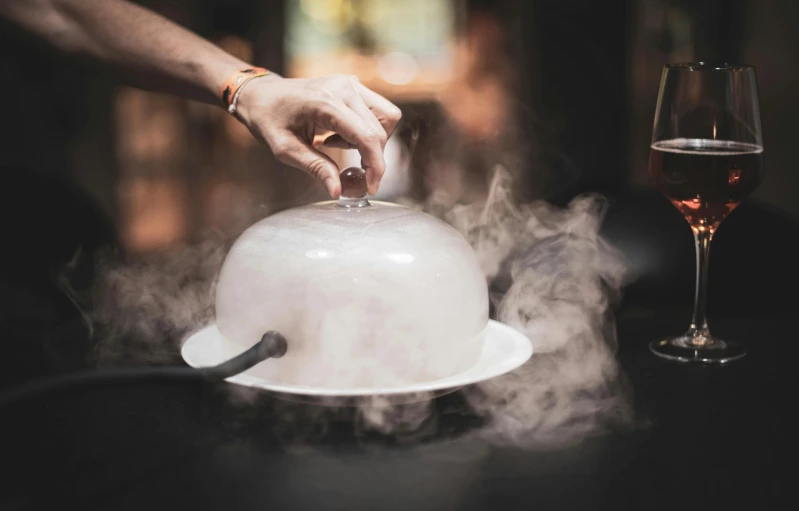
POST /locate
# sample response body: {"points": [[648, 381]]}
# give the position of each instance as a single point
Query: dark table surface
{"points": [[703, 438]]}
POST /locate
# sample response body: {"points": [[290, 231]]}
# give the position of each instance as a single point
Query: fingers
{"points": [[332, 114], [296, 152], [337, 142], [353, 99], [384, 110]]}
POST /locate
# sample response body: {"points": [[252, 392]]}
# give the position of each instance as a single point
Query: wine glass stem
{"points": [[699, 329]]}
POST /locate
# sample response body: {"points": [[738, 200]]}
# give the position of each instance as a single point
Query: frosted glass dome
{"points": [[367, 295]]}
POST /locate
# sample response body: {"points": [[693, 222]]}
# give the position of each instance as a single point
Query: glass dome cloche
{"points": [[367, 294]]}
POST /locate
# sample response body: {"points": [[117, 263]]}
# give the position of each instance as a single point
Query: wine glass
{"points": [[706, 157]]}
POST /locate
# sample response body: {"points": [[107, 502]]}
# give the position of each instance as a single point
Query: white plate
{"points": [[504, 350]]}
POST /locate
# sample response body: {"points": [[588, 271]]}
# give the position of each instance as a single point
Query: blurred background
{"points": [[560, 92]]}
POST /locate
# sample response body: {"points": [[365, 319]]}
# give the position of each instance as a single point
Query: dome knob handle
{"points": [[353, 188]]}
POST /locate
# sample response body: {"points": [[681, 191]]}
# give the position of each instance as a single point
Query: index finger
{"points": [[386, 112], [338, 117]]}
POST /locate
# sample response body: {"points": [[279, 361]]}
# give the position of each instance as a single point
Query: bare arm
{"points": [[153, 53], [149, 50]]}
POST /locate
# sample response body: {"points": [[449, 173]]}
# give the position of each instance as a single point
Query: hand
{"points": [[287, 113]]}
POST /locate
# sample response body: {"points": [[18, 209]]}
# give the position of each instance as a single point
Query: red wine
{"points": [[705, 179]]}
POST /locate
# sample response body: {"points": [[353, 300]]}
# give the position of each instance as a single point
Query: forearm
{"points": [[148, 50], [153, 53]]}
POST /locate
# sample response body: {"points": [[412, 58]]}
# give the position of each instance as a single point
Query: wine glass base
{"points": [[683, 349]]}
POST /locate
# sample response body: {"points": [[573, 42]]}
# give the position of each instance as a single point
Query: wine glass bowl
{"points": [[705, 179], [706, 157]]}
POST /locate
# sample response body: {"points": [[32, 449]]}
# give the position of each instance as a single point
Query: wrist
{"points": [[216, 71], [246, 96]]}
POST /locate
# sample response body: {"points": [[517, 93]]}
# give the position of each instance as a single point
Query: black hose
{"points": [[271, 345]]}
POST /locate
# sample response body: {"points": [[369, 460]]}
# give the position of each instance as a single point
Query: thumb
{"points": [[297, 153]]}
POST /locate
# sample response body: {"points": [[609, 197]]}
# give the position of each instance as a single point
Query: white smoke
{"points": [[139, 309], [555, 279]]}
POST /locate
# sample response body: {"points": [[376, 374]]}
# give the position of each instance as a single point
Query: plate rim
{"points": [[522, 352]]}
